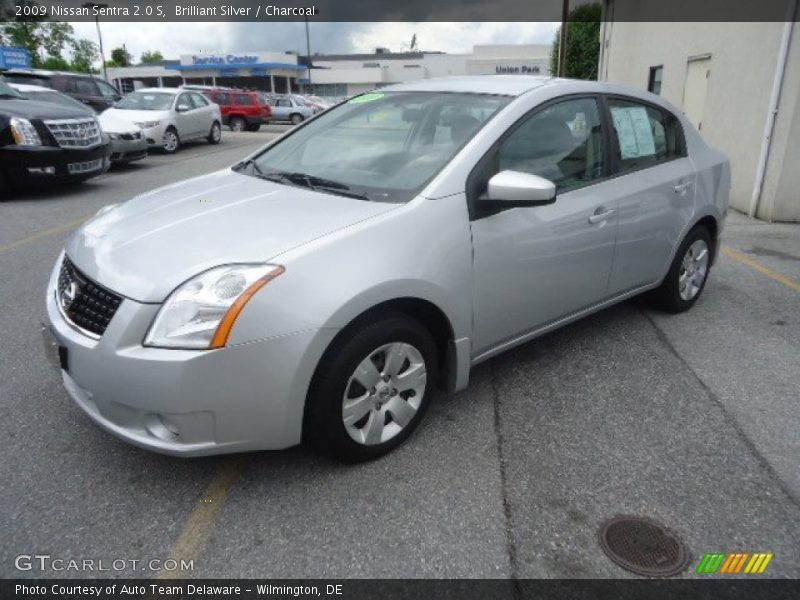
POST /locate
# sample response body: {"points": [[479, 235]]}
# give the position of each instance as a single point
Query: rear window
{"points": [[244, 100]]}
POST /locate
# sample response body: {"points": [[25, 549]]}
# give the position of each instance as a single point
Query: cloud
{"points": [[174, 39]]}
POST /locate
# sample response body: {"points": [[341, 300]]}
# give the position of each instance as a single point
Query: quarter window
{"points": [[562, 143], [645, 134]]}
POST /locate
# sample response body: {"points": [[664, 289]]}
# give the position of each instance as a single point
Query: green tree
{"points": [[84, 53], [151, 56], [44, 40], [120, 57], [583, 43]]}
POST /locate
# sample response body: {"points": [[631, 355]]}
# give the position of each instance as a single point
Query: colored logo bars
{"points": [[734, 563]]}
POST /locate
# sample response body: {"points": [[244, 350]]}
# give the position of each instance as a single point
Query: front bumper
{"points": [[42, 164], [123, 151], [154, 136], [186, 402]]}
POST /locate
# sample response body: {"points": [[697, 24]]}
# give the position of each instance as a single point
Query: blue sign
{"points": [[14, 58], [228, 59]]}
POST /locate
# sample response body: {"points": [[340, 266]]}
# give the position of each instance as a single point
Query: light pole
{"points": [[562, 40], [308, 54], [99, 35]]}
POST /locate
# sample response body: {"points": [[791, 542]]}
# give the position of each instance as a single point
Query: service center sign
{"points": [[228, 59], [14, 58]]}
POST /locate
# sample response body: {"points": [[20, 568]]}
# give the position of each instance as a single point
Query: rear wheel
{"points": [[296, 119], [215, 135], [171, 141], [371, 389], [254, 127], [688, 273], [237, 124]]}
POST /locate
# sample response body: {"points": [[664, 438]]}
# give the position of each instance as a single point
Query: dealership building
{"points": [[738, 83], [330, 75]]}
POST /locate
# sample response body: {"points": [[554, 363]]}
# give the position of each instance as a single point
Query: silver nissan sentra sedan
{"points": [[322, 288]]}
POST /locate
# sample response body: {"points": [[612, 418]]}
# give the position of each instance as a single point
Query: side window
{"points": [[184, 101], [107, 90], [563, 143], [86, 87], [199, 100], [244, 100], [223, 99], [646, 135]]}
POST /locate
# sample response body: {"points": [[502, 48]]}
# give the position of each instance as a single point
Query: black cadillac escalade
{"points": [[41, 142]]}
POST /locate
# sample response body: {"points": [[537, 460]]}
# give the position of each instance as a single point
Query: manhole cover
{"points": [[643, 546]]}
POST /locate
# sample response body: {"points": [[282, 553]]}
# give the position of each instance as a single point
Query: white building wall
{"points": [[742, 67]]}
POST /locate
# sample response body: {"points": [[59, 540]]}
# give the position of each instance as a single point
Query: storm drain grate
{"points": [[643, 546]]}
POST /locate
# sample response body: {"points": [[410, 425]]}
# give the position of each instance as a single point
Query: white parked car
{"points": [[170, 116], [127, 140]]}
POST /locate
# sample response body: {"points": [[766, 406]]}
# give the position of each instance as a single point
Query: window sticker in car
{"points": [[634, 131], [366, 98]]}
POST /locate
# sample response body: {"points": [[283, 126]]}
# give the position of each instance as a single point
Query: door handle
{"points": [[599, 217], [682, 187]]}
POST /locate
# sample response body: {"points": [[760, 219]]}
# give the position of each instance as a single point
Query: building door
{"points": [[698, 70]]}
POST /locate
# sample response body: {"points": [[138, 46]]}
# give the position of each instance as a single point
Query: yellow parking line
{"points": [[201, 522], [757, 266], [43, 234]]}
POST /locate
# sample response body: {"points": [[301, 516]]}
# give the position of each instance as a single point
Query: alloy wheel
{"points": [[694, 269], [170, 141], [384, 392]]}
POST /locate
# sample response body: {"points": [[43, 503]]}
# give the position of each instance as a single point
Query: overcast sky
{"points": [[174, 39]]}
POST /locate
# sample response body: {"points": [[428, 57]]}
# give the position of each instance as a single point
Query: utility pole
{"points": [[308, 54], [99, 35], [562, 40]]}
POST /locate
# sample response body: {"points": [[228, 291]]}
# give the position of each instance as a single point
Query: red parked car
{"points": [[241, 111]]}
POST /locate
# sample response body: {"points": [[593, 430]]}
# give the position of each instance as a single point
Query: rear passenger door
{"points": [[655, 183]]}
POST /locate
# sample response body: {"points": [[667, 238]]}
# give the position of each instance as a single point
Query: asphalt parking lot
{"points": [[691, 419]]}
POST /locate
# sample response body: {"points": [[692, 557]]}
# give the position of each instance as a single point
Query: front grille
{"points": [[75, 133], [84, 303]]}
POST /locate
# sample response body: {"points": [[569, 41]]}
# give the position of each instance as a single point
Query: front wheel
{"points": [[171, 141], [296, 119], [688, 273], [237, 124], [371, 389], [215, 135]]}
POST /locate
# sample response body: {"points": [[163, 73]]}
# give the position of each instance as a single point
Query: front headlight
{"points": [[24, 133], [113, 136], [148, 124], [200, 313]]}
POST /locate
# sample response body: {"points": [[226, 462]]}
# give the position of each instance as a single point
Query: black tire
{"points": [[323, 424], [667, 296], [296, 119], [254, 127], [215, 134], [168, 148], [237, 124]]}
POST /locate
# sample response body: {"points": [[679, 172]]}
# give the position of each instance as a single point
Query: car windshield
{"points": [[378, 146], [146, 101], [60, 99], [6, 91]]}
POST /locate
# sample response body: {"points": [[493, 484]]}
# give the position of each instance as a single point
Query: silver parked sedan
{"points": [[170, 116], [322, 288]]}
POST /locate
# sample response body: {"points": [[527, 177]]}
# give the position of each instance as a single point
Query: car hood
{"points": [[143, 249], [136, 116], [37, 109], [113, 124]]}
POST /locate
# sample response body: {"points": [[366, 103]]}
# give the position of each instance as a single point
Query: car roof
{"points": [[48, 73], [163, 89], [506, 85], [26, 87]]}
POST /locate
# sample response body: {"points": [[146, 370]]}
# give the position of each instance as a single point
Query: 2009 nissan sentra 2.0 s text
{"points": [[322, 288]]}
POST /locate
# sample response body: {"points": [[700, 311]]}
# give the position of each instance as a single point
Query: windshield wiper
{"points": [[304, 180]]}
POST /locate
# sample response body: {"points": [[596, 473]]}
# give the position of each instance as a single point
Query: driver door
{"points": [[534, 266], [187, 117]]}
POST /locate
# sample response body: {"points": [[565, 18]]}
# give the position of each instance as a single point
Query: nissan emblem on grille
{"points": [[85, 304]]}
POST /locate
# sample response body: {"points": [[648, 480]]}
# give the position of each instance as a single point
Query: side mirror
{"points": [[182, 108], [509, 189]]}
